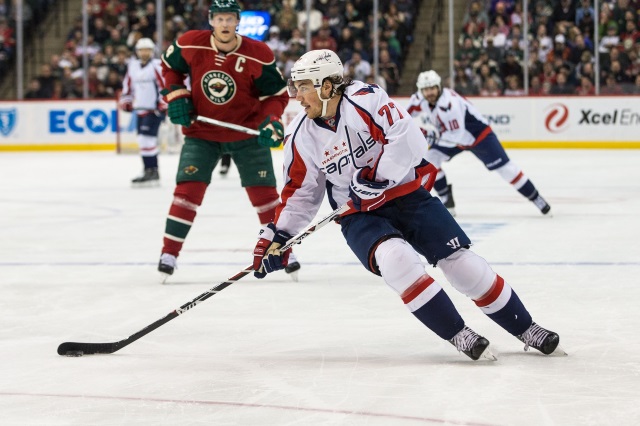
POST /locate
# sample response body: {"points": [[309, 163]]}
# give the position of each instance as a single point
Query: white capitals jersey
{"points": [[142, 85], [459, 122], [369, 130]]}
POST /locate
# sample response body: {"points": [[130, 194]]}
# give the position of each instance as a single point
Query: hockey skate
{"points": [[472, 345], [292, 267], [449, 203], [168, 263], [541, 204], [541, 339], [148, 178]]}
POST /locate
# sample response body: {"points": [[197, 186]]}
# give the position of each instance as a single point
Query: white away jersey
{"points": [[142, 84], [458, 121], [369, 130]]}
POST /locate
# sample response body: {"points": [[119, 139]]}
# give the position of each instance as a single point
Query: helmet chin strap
{"points": [[325, 102]]}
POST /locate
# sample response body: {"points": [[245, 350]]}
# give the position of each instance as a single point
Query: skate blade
{"points": [[558, 352], [149, 184], [547, 214], [292, 270], [163, 277], [487, 355]]}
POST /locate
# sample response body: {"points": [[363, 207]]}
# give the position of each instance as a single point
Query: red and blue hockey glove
{"points": [[126, 103], [162, 106], [266, 256], [366, 194], [430, 133], [180, 107], [271, 132]]}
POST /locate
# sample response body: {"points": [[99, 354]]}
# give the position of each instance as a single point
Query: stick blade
{"points": [[73, 348]]}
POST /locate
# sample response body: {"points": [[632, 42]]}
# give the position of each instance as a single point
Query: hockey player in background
{"points": [[225, 164], [141, 94], [357, 145], [233, 79], [463, 128]]}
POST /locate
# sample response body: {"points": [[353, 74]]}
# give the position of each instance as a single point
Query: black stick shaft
{"points": [[68, 348]]}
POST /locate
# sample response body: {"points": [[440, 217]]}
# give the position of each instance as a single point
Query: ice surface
{"points": [[78, 254]]}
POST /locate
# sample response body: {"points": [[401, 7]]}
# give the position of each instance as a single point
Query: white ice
{"points": [[78, 254]]}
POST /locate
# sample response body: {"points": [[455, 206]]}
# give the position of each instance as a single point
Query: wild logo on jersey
{"points": [[218, 86]]}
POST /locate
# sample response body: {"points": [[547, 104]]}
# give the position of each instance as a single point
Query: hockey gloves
{"points": [[271, 132], [266, 256], [180, 105], [126, 104], [366, 194], [430, 133]]}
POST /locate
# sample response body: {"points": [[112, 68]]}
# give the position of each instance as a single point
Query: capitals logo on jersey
{"points": [[370, 88], [218, 87], [356, 152]]}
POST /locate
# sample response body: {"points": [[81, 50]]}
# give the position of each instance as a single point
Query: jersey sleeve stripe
{"points": [[376, 132], [414, 109], [167, 64], [477, 128], [284, 89], [482, 135], [297, 171], [254, 59], [194, 46]]}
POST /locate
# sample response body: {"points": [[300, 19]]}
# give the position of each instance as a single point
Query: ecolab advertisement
{"points": [[59, 125], [544, 122]]}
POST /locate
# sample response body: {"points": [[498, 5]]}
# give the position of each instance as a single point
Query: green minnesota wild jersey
{"points": [[243, 86]]}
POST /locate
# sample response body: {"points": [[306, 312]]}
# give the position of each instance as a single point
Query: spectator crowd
{"points": [[345, 27], [33, 14], [489, 59], [489, 56]]}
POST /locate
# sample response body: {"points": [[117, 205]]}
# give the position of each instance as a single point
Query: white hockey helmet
{"points": [[316, 65], [428, 79], [145, 43]]}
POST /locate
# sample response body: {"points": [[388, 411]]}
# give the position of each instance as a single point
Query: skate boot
{"points": [[541, 339], [449, 203], [541, 204], [225, 163], [149, 178], [166, 266], [472, 345], [292, 267]]}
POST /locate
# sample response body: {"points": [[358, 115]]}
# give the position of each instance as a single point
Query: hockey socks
{"points": [[440, 316], [403, 271], [265, 199], [443, 189], [150, 162], [431, 305], [503, 306], [527, 189], [187, 197]]}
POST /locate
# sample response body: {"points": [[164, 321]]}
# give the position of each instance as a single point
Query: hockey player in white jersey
{"points": [[356, 145], [141, 94], [461, 128]]}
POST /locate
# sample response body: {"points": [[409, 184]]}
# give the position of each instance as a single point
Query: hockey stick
{"points": [[79, 349], [228, 125]]}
